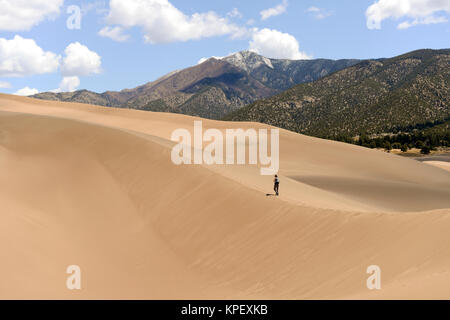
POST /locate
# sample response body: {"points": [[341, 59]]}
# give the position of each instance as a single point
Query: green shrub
{"points": [[425, 150], [387, 146]]}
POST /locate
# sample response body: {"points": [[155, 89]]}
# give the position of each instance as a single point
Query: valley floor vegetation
{"points": [[426, 137]]}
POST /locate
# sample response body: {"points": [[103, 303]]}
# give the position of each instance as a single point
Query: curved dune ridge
{"points": [[440, 164], [95, 187]]}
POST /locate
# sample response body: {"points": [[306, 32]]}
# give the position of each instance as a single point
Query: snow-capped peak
{"points": [[248, 60]]}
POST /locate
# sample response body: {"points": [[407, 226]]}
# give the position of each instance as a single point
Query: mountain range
{"points": [[213, 88], [370, 97], [323, 98]]}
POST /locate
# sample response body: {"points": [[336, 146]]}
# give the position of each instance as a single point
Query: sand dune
{"points": [[95, 187], [440, 164]]}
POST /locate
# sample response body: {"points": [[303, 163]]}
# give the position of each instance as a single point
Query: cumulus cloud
{"points": [[69, 84], [275, 44], [80, 61], [319, 13], [161, 22], [114, 33], [20, 15], [417, 11], [21, 57], [26, 92], [275, 11], [5, 85]]}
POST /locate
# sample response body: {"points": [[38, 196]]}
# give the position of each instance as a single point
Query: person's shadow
{"points": [[271, 195]]}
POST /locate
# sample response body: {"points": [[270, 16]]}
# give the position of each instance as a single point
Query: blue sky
{"points": [[145, 39]]}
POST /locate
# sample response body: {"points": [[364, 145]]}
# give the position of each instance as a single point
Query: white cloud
{"points": [[69, 84], [19, 15], [275, 11], [420, 11], [21, 57], [5, 85], [205, 59], [319, 13], [80, 61], [313, 9], [426, 20], [277, 45], [114, 33], [26, 92], [235, 13], [161, 22]]}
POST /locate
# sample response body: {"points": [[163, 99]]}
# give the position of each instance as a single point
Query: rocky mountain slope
{"points": [[373, 96], [213, 88]]}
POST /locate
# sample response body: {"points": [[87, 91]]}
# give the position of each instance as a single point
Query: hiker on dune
{"points": [[276, 187]]}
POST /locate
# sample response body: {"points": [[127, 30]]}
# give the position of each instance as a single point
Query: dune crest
{"points": [[439, 164]]}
